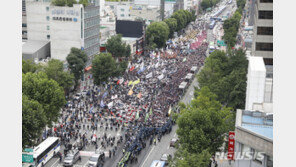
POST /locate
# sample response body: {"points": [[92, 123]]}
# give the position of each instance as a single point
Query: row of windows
{"points": [[92, 50], [264, 30], [91, 32], [265, 14], [91, 13], [266, 1], [91, 22], [91, 42], [24, 25], [260, 46]]}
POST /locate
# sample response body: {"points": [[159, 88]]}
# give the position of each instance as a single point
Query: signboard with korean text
{"points": [[231, 142], [26, 157]]}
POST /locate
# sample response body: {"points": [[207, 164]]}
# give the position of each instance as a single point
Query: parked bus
{"points": [[157, 163], [212, 24], [46, 150], [230, 1]]}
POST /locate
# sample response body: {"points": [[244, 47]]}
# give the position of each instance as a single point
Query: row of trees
{"points": [[202, 126], [43, 89], [231, 27], [159, 32], [208, 4], [69, 2]]}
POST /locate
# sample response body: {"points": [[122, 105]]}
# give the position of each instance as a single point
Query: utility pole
{"points": [[162, 10]]}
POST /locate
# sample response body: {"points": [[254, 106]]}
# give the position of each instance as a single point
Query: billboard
{"points": [[127, 28]]}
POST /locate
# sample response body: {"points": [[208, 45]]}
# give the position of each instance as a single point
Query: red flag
{"points": [[118, 82], [131, 69]]}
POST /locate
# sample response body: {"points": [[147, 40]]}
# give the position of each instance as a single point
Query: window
{"points": [[269, 161], [24, 25], [265, 14], [266, 1], [24, 32], [122, 10], [47, 18], [47, 27], [47, 8], [268, 61], [48, 36], [122, 15], [112, 7], [264, 30], [264, 46]]}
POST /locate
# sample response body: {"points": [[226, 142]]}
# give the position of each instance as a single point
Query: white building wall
{"points": [[123, 12], [65, 34], [147, 2], [255, 82], [36, 20]]}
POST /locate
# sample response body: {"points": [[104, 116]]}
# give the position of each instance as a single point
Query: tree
{"points": [[76, 61], [33, 121], [104, 66], [181, 19], [117, 47], [30, 66], [159, 32], [37, 86], [55, 70], [172, 23], [203, 123], [183, 158]]}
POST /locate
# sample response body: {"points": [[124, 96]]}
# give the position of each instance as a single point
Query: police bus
{"points": [[46, 150], [212, 24], [157, 163]]}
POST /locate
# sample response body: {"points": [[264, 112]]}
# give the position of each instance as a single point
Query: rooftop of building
{"points": [[260, 123], [31, 46]]}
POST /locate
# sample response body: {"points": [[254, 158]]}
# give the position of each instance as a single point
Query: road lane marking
{"points": [[55, 163], [148, 156]]}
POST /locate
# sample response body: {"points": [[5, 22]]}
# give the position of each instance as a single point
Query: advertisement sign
{"points": [[231, 142]]}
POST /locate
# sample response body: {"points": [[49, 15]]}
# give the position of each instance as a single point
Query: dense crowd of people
{"points": [[137, 104]]}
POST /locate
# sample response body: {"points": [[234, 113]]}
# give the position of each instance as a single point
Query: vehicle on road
{"points": [[212, 24], [157, 163], [46, 150], [96, 160], [173, 142], [165, 157], [211, 47], [72, 157]]}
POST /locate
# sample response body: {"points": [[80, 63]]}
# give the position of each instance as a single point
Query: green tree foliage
{"points": [[55, 70], [33, 121], [30, 66], [181, 19], [230, 27], [226, 77], [183, 158], [240, 5], [117, 47], [158, 33], [103, 67], [83, 2], [37, 86], [64, 2], [203, 124], [172, 23], [208, 4], [76, 60]]}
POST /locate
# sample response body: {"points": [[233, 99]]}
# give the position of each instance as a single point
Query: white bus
{"points": [[46, 150]]}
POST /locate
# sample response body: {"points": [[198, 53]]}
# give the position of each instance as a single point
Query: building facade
{"points": [[253, 136], [263, 30], [65, 27], [24, 21]]}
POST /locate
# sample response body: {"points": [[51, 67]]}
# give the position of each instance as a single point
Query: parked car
{"points": [[173, 142], [165, 157], [72, 157], [95, 161]]}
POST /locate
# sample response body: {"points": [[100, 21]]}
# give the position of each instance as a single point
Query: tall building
{"points": [[65, 27], [263, 30]]}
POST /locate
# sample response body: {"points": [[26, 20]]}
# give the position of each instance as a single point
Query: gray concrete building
{"points": [[35, 50], [65, 27], [253, 136], [24, 21], [263, 30]]}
